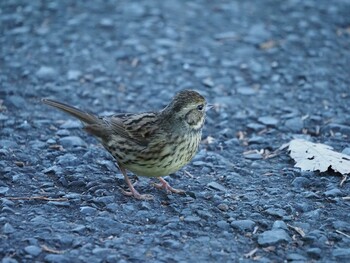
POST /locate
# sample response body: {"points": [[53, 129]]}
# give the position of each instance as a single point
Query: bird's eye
{"points": [[200, 107]]}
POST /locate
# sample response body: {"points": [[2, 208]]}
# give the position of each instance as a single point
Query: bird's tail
{"points": [[81, 115]]}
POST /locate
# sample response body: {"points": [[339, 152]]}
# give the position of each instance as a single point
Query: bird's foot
{"points": [[133, 192], [165, 185]]}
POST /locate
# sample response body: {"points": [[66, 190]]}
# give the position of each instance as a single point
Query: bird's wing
{"points": [[139, 128]]}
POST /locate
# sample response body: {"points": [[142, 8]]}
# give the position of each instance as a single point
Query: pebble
{"points": [[341, 253], [192, 219], [278, 224], [72, 141], [255, 126], [67, 159], [88, 210], [268, 120], [273, 237], [223, 225], [335, 192], [8, 229], [346, 151], [3, 190], [253, 156], [223, 207], [216, 186], [301, 182], [33, 250], [46, 73], [243, 225], [294, 257], [294, 124], [8, 144], [314, 253], [16, 101], [276, 212], [71, 124], [246, 91], [53, 258], [9, 260]]}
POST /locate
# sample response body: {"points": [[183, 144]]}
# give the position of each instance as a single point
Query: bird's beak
{"points": [[208, 107]]}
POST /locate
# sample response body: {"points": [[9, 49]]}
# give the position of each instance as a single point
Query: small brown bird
{"points": [[152, 144]]}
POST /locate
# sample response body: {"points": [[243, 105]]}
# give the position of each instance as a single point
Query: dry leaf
{"points": [[311, 156]]}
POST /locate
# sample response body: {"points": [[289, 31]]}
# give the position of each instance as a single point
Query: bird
{"points": [[150, 144]]}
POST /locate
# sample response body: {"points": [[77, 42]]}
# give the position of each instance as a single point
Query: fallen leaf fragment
{"points": [[299, 230], [311, 156]]}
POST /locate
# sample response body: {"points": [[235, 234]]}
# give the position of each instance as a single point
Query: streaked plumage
{"points": [[152, 144]]}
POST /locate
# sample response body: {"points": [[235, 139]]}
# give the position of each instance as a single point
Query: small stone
{"points": [[296, 257], [3, 190], [72, 141], [223, 207], [63, 133], [223, 224], [8, 144], [243, 225], [106, 22], [346, 151], [73, 74], [273, 237], [246, 91], [268, 120], [294, 124], [17, 101], [301, 182], [88, 210], [33, 250], [71, 124], [67, 159], [52, 258], [192, 219], [46, 73], [256, 126], [253, 156], [315, 253], [208, 82], [8, 228], [79, 229], [256, 140], [276, 212], [333, 193], [225, 35], [216, 186], [341, 253], [9, 260], [278, 224]]}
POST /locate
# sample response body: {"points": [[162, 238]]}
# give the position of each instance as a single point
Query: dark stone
{"points": [[72, 141], [243, 225], [33, 250], [273, 237], [341, 253]]}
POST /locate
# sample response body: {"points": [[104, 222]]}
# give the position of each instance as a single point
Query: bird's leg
{"points": [[165, 185], [133, 192]]}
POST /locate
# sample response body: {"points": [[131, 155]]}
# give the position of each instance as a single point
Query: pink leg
{"points": [[165, 185], [133, 192]]}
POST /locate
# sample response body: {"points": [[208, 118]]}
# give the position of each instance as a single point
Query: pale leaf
{"points": [[311, 156]]}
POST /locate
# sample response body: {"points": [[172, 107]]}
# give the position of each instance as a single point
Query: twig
{"points": [[51, 250], [251, 253], [342, 233], [44, 198], [297, 229], [343, 180]]}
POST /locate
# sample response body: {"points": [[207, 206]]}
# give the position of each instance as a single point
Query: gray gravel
{"points": [[274, 70]]}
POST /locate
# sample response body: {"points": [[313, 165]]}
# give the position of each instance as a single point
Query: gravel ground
{"points": [[274, 69]]}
